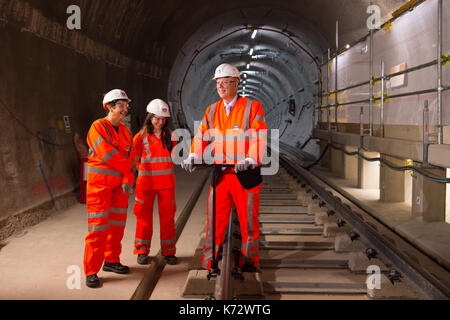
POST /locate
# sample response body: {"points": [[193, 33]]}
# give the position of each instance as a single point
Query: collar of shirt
{"points": [[229, 106]]}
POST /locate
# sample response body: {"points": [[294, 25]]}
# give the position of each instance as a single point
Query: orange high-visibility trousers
{"points": [[228, 192], [143, 209], [107, 216]]}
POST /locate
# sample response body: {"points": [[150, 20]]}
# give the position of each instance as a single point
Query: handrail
{"points": [[387, 97], [386, 77]]}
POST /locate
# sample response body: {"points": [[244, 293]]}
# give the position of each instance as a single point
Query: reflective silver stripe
{"points": [[109, 155], [247, 115], [167, 250], [105, 172], [210, 214], [107, 131], [203, 122], [98, 228], [142, 248], [259, 135], [97, 143], [237, 138], [154, 173], [211, 114], [231, 138], [144, 242], [208, 244], [129, 131], [119, 223], [208, 255], [260, 118], [140, 201], [118, 210], [168, 242], [146, 146], [95, 215], [249, 222], [206, 260], [157, 160]]}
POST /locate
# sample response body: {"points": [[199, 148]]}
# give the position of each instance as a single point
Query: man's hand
{"points": [[244, 165], [126, 188], [188, 164]]}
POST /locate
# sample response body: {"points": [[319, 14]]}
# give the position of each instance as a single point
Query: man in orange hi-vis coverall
{"points": [[152, 155], [110, 179], [237, 128]]}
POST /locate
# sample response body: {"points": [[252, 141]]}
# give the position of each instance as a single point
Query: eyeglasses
{"points": [[158, 118], [122, 104], [223, 82]]}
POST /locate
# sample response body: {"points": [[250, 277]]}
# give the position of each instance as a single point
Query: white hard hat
{"points": [[159, 107], [113, 95], [226, 70]]}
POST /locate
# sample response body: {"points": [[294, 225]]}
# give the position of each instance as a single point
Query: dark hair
{"points": [[166, 134], [113, 103]]}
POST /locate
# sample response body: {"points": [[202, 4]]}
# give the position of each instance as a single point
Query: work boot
{"points": [[115, 267], [142, 259], [92, 281], [172, 260]]}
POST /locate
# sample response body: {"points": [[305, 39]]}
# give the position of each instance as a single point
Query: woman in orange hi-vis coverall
{"points": [[152, 148], [236, 129], [109, 181]]}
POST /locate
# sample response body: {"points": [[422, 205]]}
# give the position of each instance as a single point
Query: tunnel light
{"points": [[245, 75], [347, 46], [248, 66], [251, 52], [254, 34]]}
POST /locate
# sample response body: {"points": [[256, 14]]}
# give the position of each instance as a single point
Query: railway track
{"points": [[316, 244], [297, 260]]}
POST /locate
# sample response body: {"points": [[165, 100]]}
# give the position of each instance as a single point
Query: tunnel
{"points": [[322, 75]]}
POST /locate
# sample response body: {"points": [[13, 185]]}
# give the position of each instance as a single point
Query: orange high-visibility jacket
{"points": [[109, 154], [154, 162], [240, 135]]}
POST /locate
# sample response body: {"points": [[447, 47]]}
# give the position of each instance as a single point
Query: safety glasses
{"points": [[224, 82], [162, 119], [122, 104]]}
